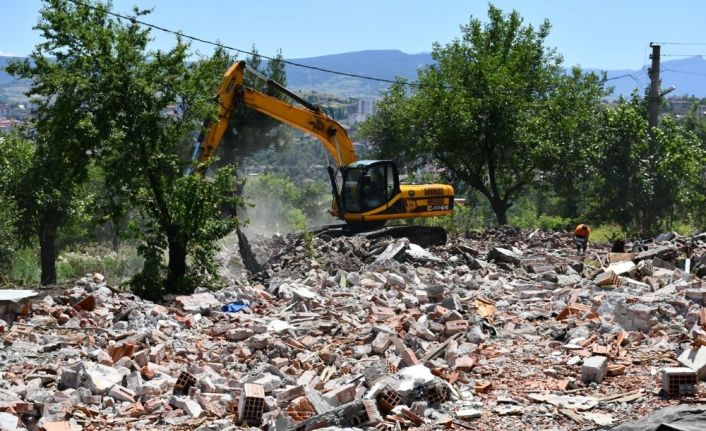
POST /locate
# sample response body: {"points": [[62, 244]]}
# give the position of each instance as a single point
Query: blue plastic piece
{"points": [[235, 307]]}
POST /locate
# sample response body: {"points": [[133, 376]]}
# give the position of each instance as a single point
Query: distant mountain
{"points": [[377, 64], [4, 76], [687, 75]]}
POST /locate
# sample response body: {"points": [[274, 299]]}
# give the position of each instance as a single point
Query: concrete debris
{"points": [[507, 329], [695, 359], [594, 369]]}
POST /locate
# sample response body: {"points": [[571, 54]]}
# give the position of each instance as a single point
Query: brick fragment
{"points": [[252, 404]]}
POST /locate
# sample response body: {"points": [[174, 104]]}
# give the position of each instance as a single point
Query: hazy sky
{"points": [[606, 34]]}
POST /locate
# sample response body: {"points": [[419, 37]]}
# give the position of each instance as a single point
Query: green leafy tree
{"points": [[485, 110], [15, 162], [641, 181], [62, 130], [135, 112]]}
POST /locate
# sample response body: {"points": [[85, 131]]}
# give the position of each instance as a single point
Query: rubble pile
{"points": [[503, 330]]}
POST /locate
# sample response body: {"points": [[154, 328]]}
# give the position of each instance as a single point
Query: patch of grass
{"points": [[607, 234], [24, 267], [684, 229], [117, 267]]}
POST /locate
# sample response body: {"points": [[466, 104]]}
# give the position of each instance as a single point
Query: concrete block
{"points": [[69, 378], [317, 401], [409, 358], [8, 421], [381, 343], [375, 372], [696, 360], [468, 413], [288, 394], [697, 295], [499, 254], [621, 268], [594, 369], [679, 381], [341, 395]]}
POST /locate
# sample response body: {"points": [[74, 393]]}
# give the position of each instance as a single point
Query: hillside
{"points": [[379, 64], [687, 75]]}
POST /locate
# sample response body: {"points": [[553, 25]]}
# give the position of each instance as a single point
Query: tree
{"points": [[63, 127], [106, 97], [639, 181], [15, 163], [481, 110]]}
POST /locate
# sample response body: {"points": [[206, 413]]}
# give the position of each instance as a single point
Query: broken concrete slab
{"points": [[695, 359], [98, 378]]}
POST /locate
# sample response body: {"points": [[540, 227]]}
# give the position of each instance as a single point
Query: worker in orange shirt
{"points": [[581, 235]]}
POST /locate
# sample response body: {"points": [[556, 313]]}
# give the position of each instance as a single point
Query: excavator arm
{"points": [[309, 120]]}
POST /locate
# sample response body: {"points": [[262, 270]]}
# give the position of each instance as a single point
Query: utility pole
{"points": [[654, 97]]}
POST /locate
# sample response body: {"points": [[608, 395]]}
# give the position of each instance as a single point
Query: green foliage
{"points": [[608, 233], [110, 103], [62, 70], [8, 233], [199, 207], [15, 161], [117, 267], [24, 267], [640, 180], [488, 109]]}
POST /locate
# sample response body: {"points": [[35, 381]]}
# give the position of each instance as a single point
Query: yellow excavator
{"points": [[370, 192]]}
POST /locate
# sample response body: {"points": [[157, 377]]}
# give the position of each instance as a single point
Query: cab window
{"points": [[349, 195], [375, 186]]}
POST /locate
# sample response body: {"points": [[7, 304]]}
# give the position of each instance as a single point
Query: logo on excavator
{"points": [[410, 205]]}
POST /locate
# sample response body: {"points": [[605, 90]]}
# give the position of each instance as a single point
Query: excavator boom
{"points": [[233, 91]]}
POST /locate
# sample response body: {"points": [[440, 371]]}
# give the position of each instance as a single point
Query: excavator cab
{"points": [[368, 185]]}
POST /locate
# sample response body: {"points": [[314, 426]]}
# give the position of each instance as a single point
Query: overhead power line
{"points": [[684, 71], [231, 48], [626, 75], [244, 51]]}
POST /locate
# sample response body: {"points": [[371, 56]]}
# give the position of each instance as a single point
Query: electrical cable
{"points": [[242, 51], [684, 71]]}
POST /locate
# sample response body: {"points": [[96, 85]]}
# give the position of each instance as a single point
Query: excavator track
{"points": [[423, 236]]}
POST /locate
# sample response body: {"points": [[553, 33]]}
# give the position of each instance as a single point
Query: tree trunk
{"points": [[47, 253], [176, 267], [249, 261], [500, 210], [247, 255]]}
